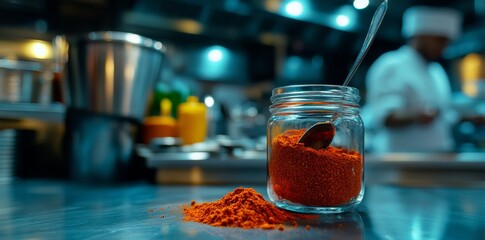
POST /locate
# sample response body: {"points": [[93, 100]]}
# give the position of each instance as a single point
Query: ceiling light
{"points": [[188, 26], [361, 4], [342, 20], [294, 8], [209, 101], [38, 49], [215, 55]]}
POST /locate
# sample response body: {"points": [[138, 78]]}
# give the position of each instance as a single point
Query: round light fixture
{"points": [[361, 4], [294, 8], [215, 55], [342, 20]]}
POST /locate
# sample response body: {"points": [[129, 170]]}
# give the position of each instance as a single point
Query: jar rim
{"points": [[312, 91]]}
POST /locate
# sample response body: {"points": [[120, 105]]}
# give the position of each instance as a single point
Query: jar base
{"points": [[314, 210], [296, 207]]}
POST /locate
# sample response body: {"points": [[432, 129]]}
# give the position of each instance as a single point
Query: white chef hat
{"points": [[437, 21]]}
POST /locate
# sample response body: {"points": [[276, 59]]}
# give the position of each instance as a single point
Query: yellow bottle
{"points": [[160, 126], [192, 121]]}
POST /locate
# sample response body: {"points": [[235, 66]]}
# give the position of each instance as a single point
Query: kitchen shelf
{"points": [[53, 112]]}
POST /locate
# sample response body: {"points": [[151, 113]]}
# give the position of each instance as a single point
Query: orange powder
{"points": [[244, 208], [325, 177]]}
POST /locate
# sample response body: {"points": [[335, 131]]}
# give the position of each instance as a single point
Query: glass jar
{"points": [[304, 179]]}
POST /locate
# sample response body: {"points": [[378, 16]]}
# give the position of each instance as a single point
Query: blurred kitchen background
{"points": [[230, 54]]}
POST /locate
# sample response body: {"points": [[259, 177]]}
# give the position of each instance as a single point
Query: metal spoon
{"points": [[320, 135]]}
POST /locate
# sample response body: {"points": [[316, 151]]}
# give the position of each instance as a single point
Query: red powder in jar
{"points": [[303, 175]]}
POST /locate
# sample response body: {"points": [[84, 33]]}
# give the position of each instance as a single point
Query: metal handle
{"points": [[369, 38]]}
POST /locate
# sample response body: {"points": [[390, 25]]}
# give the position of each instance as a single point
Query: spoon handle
{"points": [[369, 38]]}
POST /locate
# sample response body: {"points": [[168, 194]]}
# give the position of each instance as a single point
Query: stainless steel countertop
{"points": [[37, 209]]}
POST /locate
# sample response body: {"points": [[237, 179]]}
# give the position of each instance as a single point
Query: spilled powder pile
{"points": [[243, 208]]}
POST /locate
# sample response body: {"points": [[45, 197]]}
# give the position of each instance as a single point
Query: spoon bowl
{"points": [[320, 135]]}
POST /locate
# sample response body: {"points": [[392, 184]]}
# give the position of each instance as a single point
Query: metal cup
{"points": [[112, 72], [100, 147], [109, 76]]}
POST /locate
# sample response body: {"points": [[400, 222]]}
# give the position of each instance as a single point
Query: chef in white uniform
{"points": [[408, 93]]}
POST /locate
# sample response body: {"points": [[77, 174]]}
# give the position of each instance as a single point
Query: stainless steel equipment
{"points": [[112, 72], [16, 152], [100, 147], [24, 81], [109, 77]]}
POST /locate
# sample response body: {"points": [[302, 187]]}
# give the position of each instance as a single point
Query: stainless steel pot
{"points": [[24, 81], [112, 72]]}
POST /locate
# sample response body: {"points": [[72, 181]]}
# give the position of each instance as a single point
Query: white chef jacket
{"points": [[402, 80]]}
